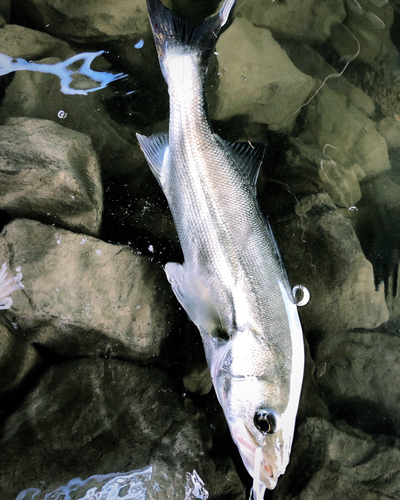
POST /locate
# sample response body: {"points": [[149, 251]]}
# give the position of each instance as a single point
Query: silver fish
{"points": [[233, 284]]}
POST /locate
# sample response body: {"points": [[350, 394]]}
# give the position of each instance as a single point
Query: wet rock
{"points": [[311, 21], [353, 371], [308, 169], [50, 173], [370, 23], [353, 141], [330, 463], [310, 62], [115, 144], [83, 296], [322, 252], [17, 360], [88, 21], [389, 128], [378, 228], [257, 78], [5, 7], [101, 416], [18, 41]]}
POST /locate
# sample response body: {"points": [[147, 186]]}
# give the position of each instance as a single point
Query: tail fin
{"points": [[170, 31]]}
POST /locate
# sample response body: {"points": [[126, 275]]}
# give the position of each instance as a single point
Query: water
{"points": [[100, 370]]}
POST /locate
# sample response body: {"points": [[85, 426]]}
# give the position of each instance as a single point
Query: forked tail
{"points": [[175, 35]]}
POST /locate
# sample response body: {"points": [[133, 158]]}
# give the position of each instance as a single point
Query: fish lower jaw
{"points": [[268, 469]]}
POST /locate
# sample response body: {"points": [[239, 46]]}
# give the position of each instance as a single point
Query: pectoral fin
{"points": [[194, 297]]}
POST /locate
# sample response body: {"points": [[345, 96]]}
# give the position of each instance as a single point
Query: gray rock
{"points": [[101, 416], [330, 463], [50, 173], [322, 252], [84, 296], [353, 141], [310, 21], [308, 169], [18, 41], [89, 21], [257, 78], [370, 23], [389, 128], [115, 145], [17, 360], [5, 8], [358, 375], [310, 62]]}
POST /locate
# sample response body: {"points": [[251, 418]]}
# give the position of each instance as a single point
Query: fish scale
{"points": [[232, 284]]}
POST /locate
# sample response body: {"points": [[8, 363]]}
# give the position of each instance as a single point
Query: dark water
{"points": [[100, 371]]}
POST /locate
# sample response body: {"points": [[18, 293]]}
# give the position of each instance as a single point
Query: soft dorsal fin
{"points": [[248, 157], [194, 297], [156, 150]]}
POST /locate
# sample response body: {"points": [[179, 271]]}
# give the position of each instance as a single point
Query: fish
{"points": [[232, 283]]}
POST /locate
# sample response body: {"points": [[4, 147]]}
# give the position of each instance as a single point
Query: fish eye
{"points": [[265, 421]]}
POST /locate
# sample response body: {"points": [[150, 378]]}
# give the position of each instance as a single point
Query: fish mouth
{"points": [[247, 446]]}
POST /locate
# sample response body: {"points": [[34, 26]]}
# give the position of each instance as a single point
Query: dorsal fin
{"points": [[248, 157]]}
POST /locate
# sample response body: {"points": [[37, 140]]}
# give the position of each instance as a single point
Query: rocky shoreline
{"points": [[100, 370]]}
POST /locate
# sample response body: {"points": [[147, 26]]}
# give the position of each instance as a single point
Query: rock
{"points": [[389, 128], [50, 173], [308, 169], [83, 296], [257, 78], [370, 23], [88, 21], [311, 21], [330, 463], [102, 416], [378, 228], [322, 252], [310, 62], [115, 144], [18, 41], [353, 141], [5, 8], [17, 360], [353, 370]]}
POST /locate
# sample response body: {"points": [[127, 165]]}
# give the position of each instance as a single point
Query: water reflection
{"points": [[64, 71], [124, 486]]}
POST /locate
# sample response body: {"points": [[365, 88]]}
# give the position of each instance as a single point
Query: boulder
{"points": [[322, 252], [331, 121], [96, 417], [83, 296], [88, 21], [370, 23], [50, 173], [311, 20], [256, 78], [353, 374], [339, 462], [18, 41], [115, 144], [17, 360], [310, 62]]}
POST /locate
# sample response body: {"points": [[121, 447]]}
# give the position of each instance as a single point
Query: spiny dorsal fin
{"points": [[248, 157], [156, 150]]}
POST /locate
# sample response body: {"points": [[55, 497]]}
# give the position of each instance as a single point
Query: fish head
{"points": [[259, 388]]}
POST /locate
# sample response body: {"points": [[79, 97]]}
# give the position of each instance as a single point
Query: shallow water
{"points": [[101, 373]]}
